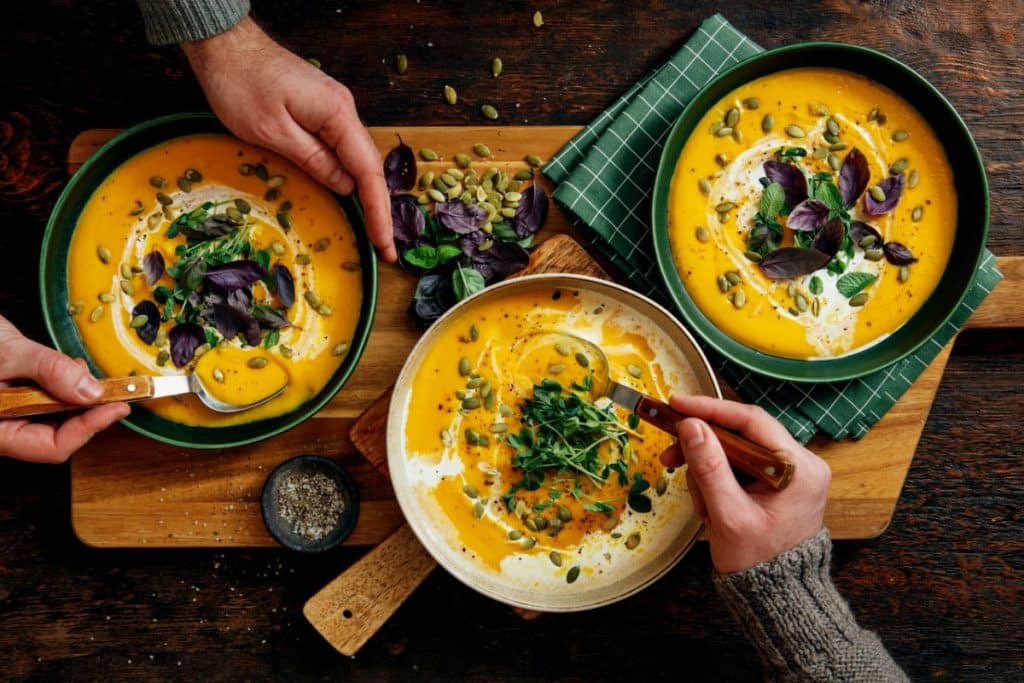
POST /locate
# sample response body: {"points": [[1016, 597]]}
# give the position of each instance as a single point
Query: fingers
{"points": [[751, 421], [672, 456], [36, 442], [314, 157], [59, 374], [699, 506], [709, 470]]}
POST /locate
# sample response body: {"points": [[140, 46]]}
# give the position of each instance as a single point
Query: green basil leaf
{"points": [[425, 257], [466, 282], [772, 200], [852, 283], [827, 192], [446, 252]]}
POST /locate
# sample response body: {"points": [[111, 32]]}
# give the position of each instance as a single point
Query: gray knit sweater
{"points": [[802, 629], [178, 21]]}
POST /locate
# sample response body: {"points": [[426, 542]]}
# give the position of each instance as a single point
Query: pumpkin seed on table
{"points": [[482, 150], [436, 195], [859, 299], [401, 64], [489, 112], [538, 19], [534, 160], [496, 67], [795, 131], [900, 135], [428, 154], [463, 160], [524, 174]]}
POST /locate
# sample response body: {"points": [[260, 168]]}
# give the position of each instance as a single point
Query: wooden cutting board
{"points": [[129, 491]]}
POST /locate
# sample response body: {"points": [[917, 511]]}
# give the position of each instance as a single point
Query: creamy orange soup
{"points": [[285, 218], [466, 410], [825, 114]]}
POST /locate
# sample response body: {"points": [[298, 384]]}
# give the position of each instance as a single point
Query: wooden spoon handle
{"points": [[25, 401], [353, 607], [746, 456]]}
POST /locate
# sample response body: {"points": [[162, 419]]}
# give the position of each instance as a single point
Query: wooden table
{"points": [[942, 585]]}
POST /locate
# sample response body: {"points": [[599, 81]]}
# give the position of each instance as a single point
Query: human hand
{"points": [[268, 96], [68, 380], [746, 526]]}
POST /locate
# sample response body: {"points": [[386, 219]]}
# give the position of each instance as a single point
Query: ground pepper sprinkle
{"points": [[312, 504]]}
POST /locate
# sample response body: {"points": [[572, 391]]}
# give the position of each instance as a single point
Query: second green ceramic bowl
{"points": [[53, 285], [968, 178]]}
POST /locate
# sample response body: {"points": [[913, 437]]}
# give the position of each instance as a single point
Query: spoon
{"points": [[769, 466], [25, 401]]}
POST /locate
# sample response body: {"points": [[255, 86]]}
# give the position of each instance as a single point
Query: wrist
{"points": [[244, 36]]}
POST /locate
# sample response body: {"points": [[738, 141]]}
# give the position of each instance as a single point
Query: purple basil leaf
{"points": [[285, 285], [897, 254], [789, 262], [239, 299], [236, 274], [830, 238], [792, 179], [153, 267], [227, 319], [213, 227], [270, 318], [400, 168], [433, 297], [532, 211], [147, 333], [407, 218], [859, 230], [504, 258], [251, 331], [191, 274], [893, 189], [460, 217], [185, 339], [853, 177], [810, 214]]}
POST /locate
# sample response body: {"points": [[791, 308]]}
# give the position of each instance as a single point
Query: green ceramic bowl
{"points": [[968, 177], [53, 285]]}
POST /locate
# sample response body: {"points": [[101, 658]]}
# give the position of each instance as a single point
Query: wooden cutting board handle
{"points": [[353, 607], [31, 400]]}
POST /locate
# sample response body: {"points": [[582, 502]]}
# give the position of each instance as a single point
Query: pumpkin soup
{"points": [[535, 476], [812, 213], [210, 255]]}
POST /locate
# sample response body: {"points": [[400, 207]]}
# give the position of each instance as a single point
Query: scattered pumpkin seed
{"points": [[819, 153], [819, 109], [795, 131], [496, 67], [103, 254], [859, 299], [725, 207], [126, 271], [751, 103], [633, 540], [867, 241], [874, 254], [524, 174], [791, 289], [739, 300], [322, 244], [505, 410], [311, 298], [737, 135], [837, 146], [723, 284], [733, 277], [915, 215], [436, 195], [157, 182], [350, 266], [704, 185], [722, 160], [339, 349], [582, 360], [162, 358], [218, 375], [137, 209], [815, 307], [538, 19], [572, 574], [899, 166], [428, 154], [904, 274], [732, 117], [556, 558], [752, 256], [913, 179], [723, 132], [324, 310], [877, 193], [478, 509], [515, 535], [277, 248], [556, 368], [801, 303], [534, 160], [873, 114], [470, 491], [830, 139], [261, 172], [284, 219], [154, 220], [702, 234], [482, 150], [767, 123], [286, 351], [528, 543], [257, 362], [489, 112], [900, 135], [127, 287], [832, 125], [499, 428], [661, 486], [272, 195], [138, 321], [401, 64], [184, 184], [75, 308], [464, 367], [834, 162], [562, 349]]}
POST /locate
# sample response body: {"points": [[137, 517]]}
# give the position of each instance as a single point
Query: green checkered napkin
{"points": [[604, 177]]}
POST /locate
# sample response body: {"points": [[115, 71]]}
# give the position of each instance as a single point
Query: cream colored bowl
{"points": [[530, 582]]}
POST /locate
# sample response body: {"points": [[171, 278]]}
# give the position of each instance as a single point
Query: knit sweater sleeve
{"points": [[802, 628], [178, 21]]}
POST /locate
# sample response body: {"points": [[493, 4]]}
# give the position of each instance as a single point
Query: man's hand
{"points": [[747, 526], [68, 380], [270, 97]]}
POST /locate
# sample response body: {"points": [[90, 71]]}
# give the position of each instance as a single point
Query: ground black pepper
{"points": [[311, 503]]}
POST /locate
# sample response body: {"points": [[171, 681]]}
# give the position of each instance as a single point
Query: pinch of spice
{"points": [[310, 503]]}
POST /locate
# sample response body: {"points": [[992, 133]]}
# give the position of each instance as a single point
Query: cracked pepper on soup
{"points": [[812, 213], [205, 254]]}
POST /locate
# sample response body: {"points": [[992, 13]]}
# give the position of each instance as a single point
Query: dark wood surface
{"points": [[942, 586]]}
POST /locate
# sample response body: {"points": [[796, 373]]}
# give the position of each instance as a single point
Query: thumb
{"points": [[53, 371], [709, 469]]}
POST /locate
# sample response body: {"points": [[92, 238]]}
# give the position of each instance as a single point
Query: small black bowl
{"points": [[281, 530]]}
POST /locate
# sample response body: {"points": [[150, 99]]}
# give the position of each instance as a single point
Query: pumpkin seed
{"points": [[867, 241], [859, 299], [339, 349], [202, 349], [304, 260], [723, 284], [272, 195], [192, 175], [496, 67], [489, 112], [898, 166], [633, 540], [737, 135], [795, 131], [913, 179], [257, 363], [725, 207], [562, 348], [464, 367], [877, 193], [751, 103], [218, 375], [874, 254], [837, 146], [791, 289], [401, 64], [157, 182], [702, 234], [162, 358], [504, 410], [534, 160], [556, 558], [478, 509], [284, 219], [739, 300], [428, 154], [540, 522], [572, 575], [801, 303], [440, 185], [75, 308], [184, 184], [499, 428], [538, 19], [324, 310], [138, 321], [819, 153], [915, 215], [704, 185], [815, 307], [455, 191], [722, 160], [873, 114], [716, 126], [435, 195], [261, 172], [582, 360], [154, 220], [322, 244], [662, 485], [470, 491], [127, 287], [103, 254], [246, 169], [277, 248], [531, 523], [732, 117], [524, 174], [350, 266], [904, 274], [834, 162], [733, 277], [830, 139], [556, 368], [482, 150], [463, 160], [137, 209], [310, 296], [508, 213], [723, 132], [900, 135], [832, 125], [753, 256], [513, 196], [234, 215], [286, 351], [819, 109], [528, 543], [767, 123], [515, 535], [126, 271]]}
